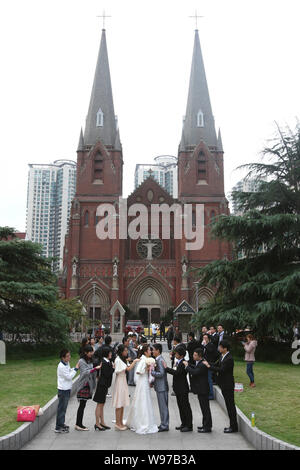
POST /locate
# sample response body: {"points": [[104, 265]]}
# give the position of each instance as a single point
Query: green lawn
{"points": [[275, 400], [26, 382]]}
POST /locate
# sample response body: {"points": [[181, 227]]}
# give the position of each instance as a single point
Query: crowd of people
{"points": [[195, 367]]}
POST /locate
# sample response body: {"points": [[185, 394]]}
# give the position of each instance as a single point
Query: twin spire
{"points": [[101, 120], [199, 122]]}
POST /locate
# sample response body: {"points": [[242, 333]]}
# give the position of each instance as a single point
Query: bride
{"points": [[141, 414]]}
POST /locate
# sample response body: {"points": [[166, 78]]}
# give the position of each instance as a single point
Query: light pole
{"points": [[94, 300], [149, 317], [197, 301]]}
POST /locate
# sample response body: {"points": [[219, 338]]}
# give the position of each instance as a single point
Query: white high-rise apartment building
{"points": [[164, 171], [50, 191], [246, 186]]}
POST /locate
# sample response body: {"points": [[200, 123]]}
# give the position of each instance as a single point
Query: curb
{"points": [[259, 439], [17, 439], [26, 432]]}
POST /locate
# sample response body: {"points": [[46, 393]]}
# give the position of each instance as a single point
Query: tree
{"points": [[169, 316], [28, 291], [73, 309], [260, 285]]}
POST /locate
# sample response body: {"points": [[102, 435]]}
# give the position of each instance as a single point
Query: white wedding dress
{"points": [[141, 417]]}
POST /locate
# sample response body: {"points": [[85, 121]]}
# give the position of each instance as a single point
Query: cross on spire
{"points": [[103, 16], [196, 16]]}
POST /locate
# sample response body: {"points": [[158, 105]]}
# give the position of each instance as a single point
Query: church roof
{"points": [[198, 102], [101, 102], [158, 191], [184, 307]]}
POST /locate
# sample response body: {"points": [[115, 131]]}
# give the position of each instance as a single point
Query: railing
{"points": [[27, 338]]}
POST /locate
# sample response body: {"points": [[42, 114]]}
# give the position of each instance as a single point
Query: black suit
{"points": [[162, 330], [225, 380], [104, 382], [199, 386], [106, 374], [170, 336], [191, 346], [181, 389], [173, 353], [215, 339], [223, 337], [210, 352]]}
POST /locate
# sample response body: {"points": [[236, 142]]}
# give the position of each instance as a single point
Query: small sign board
{"points": [[2, 352]]}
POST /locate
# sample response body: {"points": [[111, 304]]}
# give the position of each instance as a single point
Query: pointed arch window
{"points": [[100, 118], [98, 167], [202, 167], [200, 119], [86, 218], [96, 218]]}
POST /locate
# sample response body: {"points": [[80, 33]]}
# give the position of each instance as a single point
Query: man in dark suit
{"points": [[191, 346], [162, 330], [221, 334], [181, 389], [204, 331], [170, 336], [211, 355], [176, 342], [199, 386], [214, 336], [225, 380]]}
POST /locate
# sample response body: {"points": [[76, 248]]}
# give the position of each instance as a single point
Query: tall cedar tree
{"points": [[260, 285], [28, 291]]}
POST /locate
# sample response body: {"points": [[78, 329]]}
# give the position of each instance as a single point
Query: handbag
{"points": [[85, 392], [38, 410], [26, 413]]}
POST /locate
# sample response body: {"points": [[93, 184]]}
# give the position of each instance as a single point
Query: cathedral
{"points": [[144, 275]]}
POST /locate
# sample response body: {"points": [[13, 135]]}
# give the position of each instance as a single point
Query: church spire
{"points": [[220, 143], [101, 119], [80, 147], [199, 121]]}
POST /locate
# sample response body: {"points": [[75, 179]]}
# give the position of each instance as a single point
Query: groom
{"points": [[161, 387]]}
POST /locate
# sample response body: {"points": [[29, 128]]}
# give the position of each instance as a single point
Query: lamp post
{"points": [[149, 319], [94, 300], [197, 301]]}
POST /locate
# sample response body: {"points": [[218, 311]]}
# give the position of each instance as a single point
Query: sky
{"points": [[48, 58]]}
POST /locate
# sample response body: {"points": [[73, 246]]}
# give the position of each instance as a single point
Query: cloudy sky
{"points": [[48, 57]]}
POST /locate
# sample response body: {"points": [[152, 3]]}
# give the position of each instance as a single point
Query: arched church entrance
{"points": [[150, 306], [150, 299], [96, 303]]}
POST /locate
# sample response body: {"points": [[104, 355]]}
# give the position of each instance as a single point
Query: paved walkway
{"points": [[128, 440]]}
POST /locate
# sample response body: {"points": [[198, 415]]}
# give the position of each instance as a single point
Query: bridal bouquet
{"points": [[150, 362]]}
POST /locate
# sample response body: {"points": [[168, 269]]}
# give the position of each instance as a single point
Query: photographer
{"points": [[250, 346]]}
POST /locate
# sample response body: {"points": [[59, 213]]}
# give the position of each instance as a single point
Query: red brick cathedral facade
{"points": [[108, 274]]}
